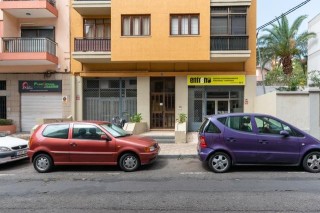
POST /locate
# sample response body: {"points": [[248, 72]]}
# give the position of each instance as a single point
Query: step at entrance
{"points": [[160, 136]]}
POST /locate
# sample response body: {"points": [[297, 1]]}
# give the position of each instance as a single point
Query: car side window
{"points": [[56, 131], [240, 123], [268, 125], [212, 128], [86, 131]]}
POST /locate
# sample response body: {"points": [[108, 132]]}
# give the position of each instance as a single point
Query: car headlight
{"points": [[4, 149], [150, 148]]}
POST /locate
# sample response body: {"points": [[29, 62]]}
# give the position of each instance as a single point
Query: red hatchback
{"points": [[89, 143]]}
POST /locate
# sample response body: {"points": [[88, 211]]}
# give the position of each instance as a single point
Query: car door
{"points": [[87, 147], [276, 147], [240, 138]]}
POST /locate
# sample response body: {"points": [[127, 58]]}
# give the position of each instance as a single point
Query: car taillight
{"points": [[203, 143]]}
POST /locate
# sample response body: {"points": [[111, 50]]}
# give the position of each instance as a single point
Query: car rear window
{"points": [[209, 127], [204, 123], [56, 131]]}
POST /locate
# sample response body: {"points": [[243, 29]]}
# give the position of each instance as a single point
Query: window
{"points": [[56, 131], [3, 85], [45, 32], [135, 25], [3, 107], [211, 128], [97, 28], [228, 20], [86, 131], [268, 125], [184, 24], [240, 123]]}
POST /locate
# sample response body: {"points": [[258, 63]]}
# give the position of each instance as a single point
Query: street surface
{"points": [[175, 185]]}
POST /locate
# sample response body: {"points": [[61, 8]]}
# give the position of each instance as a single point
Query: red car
{"points": [[89, 143]]}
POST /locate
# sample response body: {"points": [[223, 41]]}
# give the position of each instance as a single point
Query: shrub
{"points": [[137, 118], [182, 118], [4, 122]]}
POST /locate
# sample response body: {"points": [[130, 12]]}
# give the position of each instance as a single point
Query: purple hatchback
{"points": [[253, 139]]}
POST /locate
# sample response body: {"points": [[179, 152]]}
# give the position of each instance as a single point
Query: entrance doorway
{"points": [[162, 103], [215, 107]]}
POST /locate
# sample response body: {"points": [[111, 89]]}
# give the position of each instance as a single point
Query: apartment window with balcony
{"points": [[97, 28], [229, 28], [42, 32], [184, 24], [135, 25]]}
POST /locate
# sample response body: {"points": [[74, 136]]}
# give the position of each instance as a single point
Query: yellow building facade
{"points": [[162, 58]]}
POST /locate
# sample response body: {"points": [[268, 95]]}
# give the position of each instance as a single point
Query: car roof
{"points": [[237, 114], [81, 122]]}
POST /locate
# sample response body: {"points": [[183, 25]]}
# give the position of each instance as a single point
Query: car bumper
{"points": [[6, 157], [204, 153], [148, 158]]}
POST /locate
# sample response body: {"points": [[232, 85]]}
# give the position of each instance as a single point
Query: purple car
{"points": [[255, 139]]}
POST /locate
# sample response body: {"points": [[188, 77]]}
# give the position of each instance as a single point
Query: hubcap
{"points": [[130, 162], [42, 163], [313, 162], [220, 162]]}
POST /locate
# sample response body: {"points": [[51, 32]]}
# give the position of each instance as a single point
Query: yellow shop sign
{"points": [[216, 80]]}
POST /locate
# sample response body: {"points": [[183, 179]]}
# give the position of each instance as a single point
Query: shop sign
{"points": [[216, 80], [40, 86]]}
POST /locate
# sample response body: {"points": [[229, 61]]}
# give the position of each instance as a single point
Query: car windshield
{"points": [[114, 130]]}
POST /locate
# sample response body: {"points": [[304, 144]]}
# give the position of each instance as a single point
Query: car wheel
{"points": [[43, 163], [129, 162], [219, 162], [311, 162]]}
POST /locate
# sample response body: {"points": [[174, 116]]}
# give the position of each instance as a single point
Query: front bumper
{"points": [[148, 158], [10, 156]]}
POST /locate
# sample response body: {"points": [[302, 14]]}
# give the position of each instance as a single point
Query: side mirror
{"points": [[105, 137], [284, 133]]}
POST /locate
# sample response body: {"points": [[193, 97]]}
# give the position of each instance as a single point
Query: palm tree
{"points": [[284, 41]]}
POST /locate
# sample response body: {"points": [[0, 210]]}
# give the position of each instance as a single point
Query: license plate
{"points": [[21, 152]]}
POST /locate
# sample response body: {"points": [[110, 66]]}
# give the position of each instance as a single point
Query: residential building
{"points": [[314, 46], [34, 61], [162, 58]]}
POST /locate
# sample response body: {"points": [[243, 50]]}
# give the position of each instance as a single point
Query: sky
{"points": [[270, 9]]}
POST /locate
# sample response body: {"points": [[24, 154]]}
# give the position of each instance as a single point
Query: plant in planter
{"points": [[135, 126], [136, 118], [181, 128], [6, 125]]}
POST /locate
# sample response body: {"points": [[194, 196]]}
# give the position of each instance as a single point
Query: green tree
{"points": [[284, 42]]}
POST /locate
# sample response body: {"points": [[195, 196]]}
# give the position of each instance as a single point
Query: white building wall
{"points": [[143, 98], [314, 45]]}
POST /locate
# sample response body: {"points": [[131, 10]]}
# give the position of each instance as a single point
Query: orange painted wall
{"points": [[160, 46]]}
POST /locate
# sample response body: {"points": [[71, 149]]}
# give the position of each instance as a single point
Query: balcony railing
{"points": [[92, 44], [18, 45], [218, 43], [52, 2]]}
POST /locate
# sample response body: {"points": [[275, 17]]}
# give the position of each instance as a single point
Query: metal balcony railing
{"points": [[19, 45], [229, 43], [52, 2], [92, 44]]}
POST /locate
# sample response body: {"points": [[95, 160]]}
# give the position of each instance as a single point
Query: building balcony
{"points": [[30, 8], [90, 7], [229, 48], [92, 50], [28, 51]]}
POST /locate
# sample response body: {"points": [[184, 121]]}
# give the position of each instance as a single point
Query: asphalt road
{"points": [[175, 185]]}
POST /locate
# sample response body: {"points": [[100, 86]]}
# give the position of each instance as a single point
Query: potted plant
{"points": [[6, 125], [135, 126], [181, 128]]}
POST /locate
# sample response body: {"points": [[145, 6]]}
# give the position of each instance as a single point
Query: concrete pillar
{"points": [[143, 98], [79, 98], [249, 93], [181, 97]]}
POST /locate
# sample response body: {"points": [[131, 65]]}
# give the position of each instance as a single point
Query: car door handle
{"points": [[231, 140], [73, 144], [263, 141]]}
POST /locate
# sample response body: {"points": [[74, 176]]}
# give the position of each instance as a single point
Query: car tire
{"points": [[219, 162], [43, 163], [129, 162], [311, 162]]}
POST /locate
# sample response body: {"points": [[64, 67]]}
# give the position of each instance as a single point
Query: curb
{"points": [[181, 156]]}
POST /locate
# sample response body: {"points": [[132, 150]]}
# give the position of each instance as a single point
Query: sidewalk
{"points": [[168, 150]]}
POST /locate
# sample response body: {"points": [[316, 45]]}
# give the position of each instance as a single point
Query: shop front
{"points": [[211, 95]]}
